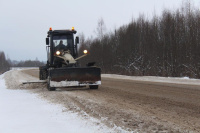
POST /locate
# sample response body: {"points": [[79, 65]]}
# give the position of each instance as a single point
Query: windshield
{"points": [[63, 42]]}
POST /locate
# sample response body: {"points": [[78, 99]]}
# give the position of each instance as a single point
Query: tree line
{"points": [[166, 45], [4, 64], [28, 63]]}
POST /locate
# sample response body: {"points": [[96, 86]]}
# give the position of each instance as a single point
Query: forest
{"points": [[28, 63], [4, 64], [166, 45]]}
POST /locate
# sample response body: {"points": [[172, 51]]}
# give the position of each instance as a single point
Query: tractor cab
{"points": [[60, 41]]}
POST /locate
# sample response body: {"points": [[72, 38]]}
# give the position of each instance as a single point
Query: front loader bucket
{"points": [[77, 76]]}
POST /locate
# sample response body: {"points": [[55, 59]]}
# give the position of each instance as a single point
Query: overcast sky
{"points": [[24, 23]]}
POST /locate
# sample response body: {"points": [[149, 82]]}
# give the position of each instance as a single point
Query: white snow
{"points": [[175, 80], [71, 83], [23, 112], [64, 83]]}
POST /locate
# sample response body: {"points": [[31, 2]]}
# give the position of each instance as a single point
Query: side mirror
{"points": [[47, 41], [77, 40]]}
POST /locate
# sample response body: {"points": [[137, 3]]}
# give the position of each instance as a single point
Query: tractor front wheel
{"points": [[49, 87], [93, 86]]}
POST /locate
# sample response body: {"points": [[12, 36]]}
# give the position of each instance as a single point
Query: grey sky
{"points": [[24, 23]]}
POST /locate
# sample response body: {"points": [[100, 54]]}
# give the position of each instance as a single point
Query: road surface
{"points": [[140, 106]]}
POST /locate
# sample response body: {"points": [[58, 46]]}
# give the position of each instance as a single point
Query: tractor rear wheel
{"points": [[43, 73]]}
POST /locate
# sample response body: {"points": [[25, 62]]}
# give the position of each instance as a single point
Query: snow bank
{"points": [[182, 80], [23, 112], [20, 68]]}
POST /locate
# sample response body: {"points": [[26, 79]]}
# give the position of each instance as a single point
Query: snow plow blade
{"points": [[66, 77]]}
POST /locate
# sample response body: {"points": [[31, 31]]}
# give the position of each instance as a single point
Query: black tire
{"points": [[41, 76], [49, 87], [93, 86], [43, 73]]}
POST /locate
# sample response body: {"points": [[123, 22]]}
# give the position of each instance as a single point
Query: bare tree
{"points": [[101, 28]]}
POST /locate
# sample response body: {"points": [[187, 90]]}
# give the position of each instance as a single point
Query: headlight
{"points": [[58, 53], [85, 51]]}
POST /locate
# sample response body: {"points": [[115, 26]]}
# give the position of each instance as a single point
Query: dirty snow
{"points": [[23, 112], [175, 80]]}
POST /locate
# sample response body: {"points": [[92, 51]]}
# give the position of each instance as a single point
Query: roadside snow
{"points": [[23, 112], [176, 80]]}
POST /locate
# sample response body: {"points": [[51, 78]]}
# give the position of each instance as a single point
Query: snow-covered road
{"points": [[121, 104], [23, 112]]}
